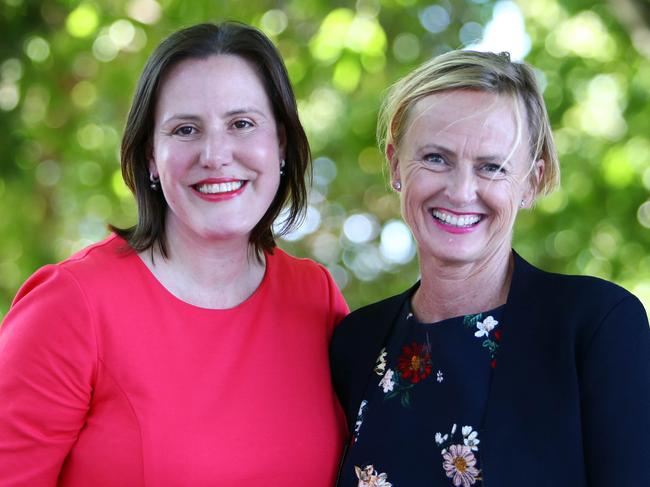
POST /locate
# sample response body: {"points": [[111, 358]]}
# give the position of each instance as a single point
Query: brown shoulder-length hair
{"points": [[199, 42]]}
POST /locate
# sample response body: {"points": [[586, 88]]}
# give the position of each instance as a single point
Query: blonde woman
{"points": [[488, 371]]}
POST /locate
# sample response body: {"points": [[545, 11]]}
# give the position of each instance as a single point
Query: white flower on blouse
{"points": [[460, 465], [387, 383], [359, 421], [439, 376], [369, 477], [485, 327], [470, 438], [380, 365], [441, 439]]}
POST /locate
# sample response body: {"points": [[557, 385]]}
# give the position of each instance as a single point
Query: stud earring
{"points": [[522, 203], [282, 164], [154, 182], [397, 186]]}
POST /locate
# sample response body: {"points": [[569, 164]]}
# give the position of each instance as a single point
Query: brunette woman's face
{"points": [[216, 148]]}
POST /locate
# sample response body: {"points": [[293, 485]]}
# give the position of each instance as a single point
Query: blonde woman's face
{"points": [[464, 172]]}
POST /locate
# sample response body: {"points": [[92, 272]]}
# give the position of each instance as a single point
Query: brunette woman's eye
{"points": [[185, 130], [242, 124]]}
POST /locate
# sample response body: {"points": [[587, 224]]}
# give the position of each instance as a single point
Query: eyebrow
{"points": [[196, 118], [489, 158]]}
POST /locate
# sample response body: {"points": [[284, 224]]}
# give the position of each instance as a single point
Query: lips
{"points": [[456, 223], [457, 220], [219, 189]]}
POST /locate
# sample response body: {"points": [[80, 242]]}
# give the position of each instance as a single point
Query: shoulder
{"points": [[582, 301], [367, 322], [70, 277], [308, 284], [566, 288], [288, 267], [386, 308]]}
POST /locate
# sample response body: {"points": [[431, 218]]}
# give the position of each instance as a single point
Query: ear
{"points": [[391, 157], [534, 182], [153, 168]]}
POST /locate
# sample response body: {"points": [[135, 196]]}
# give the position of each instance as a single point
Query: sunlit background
{"points": [[68, 70]]}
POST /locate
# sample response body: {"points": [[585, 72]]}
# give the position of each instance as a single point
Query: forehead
{"points": [[466, 116], [222, 79]]}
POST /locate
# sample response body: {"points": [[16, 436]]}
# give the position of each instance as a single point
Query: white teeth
{"points": [[456, 221], [217, 188]]}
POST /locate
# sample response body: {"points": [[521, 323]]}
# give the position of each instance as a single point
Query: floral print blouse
{"points": [[419, 422]]}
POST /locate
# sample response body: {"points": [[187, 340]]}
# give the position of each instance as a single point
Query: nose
{"points": [[461, 188], [216, 151]]}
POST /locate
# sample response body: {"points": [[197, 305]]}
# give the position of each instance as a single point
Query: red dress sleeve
{"points": [[337, 306], [48, 362]]}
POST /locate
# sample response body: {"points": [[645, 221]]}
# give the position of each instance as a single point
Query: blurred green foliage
{"points": [[68, 70]]}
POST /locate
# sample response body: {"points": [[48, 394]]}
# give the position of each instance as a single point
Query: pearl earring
{"points": [[397, 186], [522, 203], [154, 182], [282, 164]]}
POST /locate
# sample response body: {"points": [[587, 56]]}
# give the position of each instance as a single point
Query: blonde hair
{"points": [[471, 70]]}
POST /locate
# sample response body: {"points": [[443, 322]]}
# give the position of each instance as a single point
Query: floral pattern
{"points": [[359, 421], [484, 328], [458, 459], [459, 466], [406, 368], [387, 383], [413, 366], [380, 366], [368, 477], [415, 362]]}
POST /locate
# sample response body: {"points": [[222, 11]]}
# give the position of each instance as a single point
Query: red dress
{"points": [[107, 379]]}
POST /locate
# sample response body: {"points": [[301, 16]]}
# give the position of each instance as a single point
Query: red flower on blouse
{"points": [[497, 335], [415, 362]]}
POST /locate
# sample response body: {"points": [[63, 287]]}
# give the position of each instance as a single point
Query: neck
{"points": [[210, 273], [449, 290]]}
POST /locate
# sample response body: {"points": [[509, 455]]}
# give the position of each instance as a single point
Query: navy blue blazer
{"points": [[569, 403]]}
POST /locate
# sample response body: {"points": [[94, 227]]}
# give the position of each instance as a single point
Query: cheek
{"points": [[503, 199]]}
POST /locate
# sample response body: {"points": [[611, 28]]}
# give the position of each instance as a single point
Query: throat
{"points": [[444, 293]]}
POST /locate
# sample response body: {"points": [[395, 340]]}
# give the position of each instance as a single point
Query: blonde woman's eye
{"points": [[434, 158], [496, 169]]}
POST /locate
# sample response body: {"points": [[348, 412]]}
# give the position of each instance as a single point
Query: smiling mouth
{"points": [[459, 221], [219, 188]]}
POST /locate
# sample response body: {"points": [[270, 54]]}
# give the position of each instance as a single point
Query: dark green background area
{"points": [[68, 70]]}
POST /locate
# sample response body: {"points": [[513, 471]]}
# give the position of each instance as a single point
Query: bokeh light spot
{"points": [[82, 21], [144, 11], [406, 47], [360, 228], [324, 171], [346, 75], [397, 245], [104, 49], [643, 214], [48, 173], [434, 18], [122, 33], [370, 160], [11, 70], [90, 136], [274, 22], [37, 49], [9, 96], [83, 94]]}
